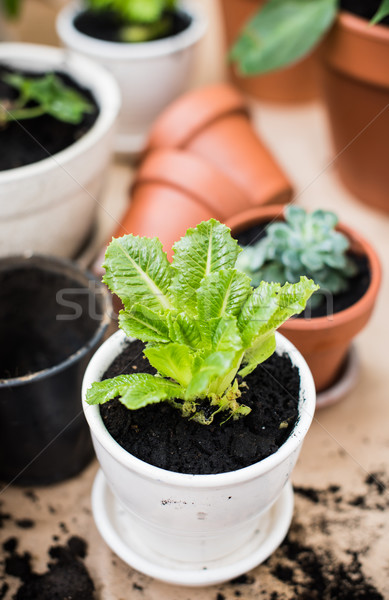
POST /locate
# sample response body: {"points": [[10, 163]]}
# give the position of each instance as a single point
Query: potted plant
{"points": [[283, 244], [354, 56], [292, 84], [54, 316], [184, 443], [59, 193], [148, 47]]}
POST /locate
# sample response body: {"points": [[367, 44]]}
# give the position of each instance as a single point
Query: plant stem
{"points": [[19, 114]]}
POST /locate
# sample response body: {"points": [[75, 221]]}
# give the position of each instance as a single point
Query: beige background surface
{"points": [[344, 524]]}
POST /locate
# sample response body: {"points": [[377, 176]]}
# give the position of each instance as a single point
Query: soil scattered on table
{"points": [[323, 555], [154, 433], [66, 577]]}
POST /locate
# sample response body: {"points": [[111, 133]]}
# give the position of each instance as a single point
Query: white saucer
{"points": [[344, 384], [114, 525]]}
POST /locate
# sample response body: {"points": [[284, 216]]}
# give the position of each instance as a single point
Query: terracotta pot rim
{"points": [[362, 305], [362, 27], [221, 99]]}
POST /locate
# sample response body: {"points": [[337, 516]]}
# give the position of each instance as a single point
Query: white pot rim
{"points": [[106, 88], [122, 51], [112, 347]]}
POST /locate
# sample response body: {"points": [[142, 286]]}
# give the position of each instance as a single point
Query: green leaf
{"points": [[258, 310], [267, 309], [222, 293], [206, 249], [134, 391], [138, 271], [172, 360], [382, 12], [282, 32], [258, 354], [52, 97], [144, 324], [208, 370], [223, 334], [184, 330], [11, 8]]}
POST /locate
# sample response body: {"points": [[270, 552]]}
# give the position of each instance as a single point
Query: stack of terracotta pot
{"points": [[204, 159]]}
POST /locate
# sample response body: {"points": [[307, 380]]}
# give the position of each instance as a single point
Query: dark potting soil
{"points": [[66, 577], [106, 25], [159, 435], [33, 336], [334, 304], [363, 8], [31, 140]]}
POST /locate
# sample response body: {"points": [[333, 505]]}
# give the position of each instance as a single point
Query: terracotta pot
{"points": [[293, 84], [213, 123], [356, 91], [174, 190], [324, 341]]}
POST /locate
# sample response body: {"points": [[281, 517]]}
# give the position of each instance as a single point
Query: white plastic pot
{"points": [[150, 74], [49, 206], [192, 519]]}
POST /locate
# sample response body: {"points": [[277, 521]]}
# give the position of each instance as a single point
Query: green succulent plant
{"points": [[201, 319], [305, 244], [284, 31], [142, 20]]}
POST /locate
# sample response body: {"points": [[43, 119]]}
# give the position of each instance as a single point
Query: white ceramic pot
{"points": [[150, 75], [194, 519], [50, 206]]}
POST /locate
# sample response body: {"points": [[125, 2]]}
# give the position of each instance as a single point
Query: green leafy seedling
{"points": [[284, 31], [41, 96], [306, 244], [141, 20], [201, 319]]}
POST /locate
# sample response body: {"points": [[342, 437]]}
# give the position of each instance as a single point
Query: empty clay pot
{"points": [[356, 91], [213, 123], [174, 190], [293, 84], [324, 341]]}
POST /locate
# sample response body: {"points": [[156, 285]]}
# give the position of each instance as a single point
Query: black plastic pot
{"points": [[53, 315]]}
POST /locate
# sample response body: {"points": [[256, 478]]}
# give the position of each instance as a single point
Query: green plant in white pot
{"points": [[57, 121], [206, 331], [149, 48]]}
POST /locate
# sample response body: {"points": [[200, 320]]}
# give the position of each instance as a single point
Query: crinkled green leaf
{"points": [[256, 355], [184, 330], [271, 305], [206, 249], [138, 271], [134, 391], [223, 334], [282, 32], [207, 371], [222, 293], [172, 360], [266, 310], [144, 324]]}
